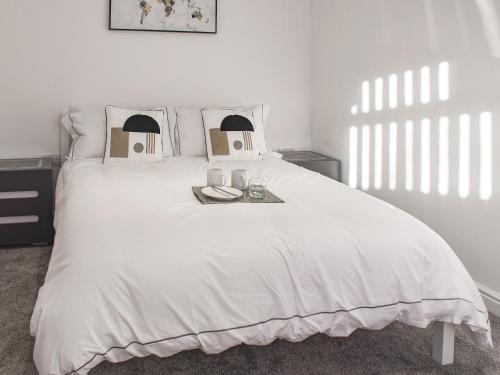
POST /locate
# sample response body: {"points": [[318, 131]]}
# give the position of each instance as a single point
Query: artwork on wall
{"points": [[192, 16]]}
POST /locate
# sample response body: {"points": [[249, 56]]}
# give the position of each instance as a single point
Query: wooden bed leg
{"points": [[443, 344]]}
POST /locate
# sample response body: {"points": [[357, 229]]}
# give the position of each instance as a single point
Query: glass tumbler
{"points": [[257, 187]]}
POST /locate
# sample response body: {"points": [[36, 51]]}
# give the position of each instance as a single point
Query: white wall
{"points": [[357, 40], [56, 52]]}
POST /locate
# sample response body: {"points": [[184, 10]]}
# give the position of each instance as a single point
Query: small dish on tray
{"points": [[222, 193]]}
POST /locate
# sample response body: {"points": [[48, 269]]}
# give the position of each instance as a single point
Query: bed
{"points": [[141, 268]]}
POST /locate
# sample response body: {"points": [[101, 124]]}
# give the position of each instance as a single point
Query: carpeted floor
{"points": [[398, 349]]}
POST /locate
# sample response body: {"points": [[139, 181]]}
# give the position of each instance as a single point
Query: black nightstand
{"points": [[26, 202], [313, 161]]}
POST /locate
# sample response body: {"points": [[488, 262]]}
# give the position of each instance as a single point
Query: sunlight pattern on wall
{"points": [[393, 155], [393, 91], [444, 81], [374, 153], [353, 156], [365, 158], [379, 94], [485, 184], [408, 81], [365, 105], [444, 151], [409, 155], [425, 156], [425, 85], [464, 156], [378, 155]]}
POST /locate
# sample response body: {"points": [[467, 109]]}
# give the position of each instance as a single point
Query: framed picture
{"points": [[188, 16]]}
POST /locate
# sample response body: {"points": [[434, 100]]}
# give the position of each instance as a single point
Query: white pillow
{"points": [[171, 139], [190, 135], [88, 133], [134, 135], [230, 135], [191, 138], [87, 127], [260, 114]]}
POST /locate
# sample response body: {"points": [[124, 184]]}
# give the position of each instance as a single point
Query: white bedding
{"points": [[140, 267]]}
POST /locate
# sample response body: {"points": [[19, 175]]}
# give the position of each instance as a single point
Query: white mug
{"points": [[239, 179], [215, 177]]}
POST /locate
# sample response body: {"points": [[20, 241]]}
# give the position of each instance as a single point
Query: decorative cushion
{"points": [[134, 135], [230, 135], [189, 131]]}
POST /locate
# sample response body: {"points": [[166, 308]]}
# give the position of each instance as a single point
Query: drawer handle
{"points": [[18, 194], [19, 219]]}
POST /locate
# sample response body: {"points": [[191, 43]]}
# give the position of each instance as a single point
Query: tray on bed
{"points": [[268, 198]]}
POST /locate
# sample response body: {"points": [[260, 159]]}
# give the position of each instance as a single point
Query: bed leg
{"points": [[443, 344]]}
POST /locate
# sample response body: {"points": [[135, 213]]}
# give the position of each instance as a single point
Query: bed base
{"points": [[443, 343]]}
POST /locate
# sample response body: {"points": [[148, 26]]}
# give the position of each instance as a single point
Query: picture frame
{"points": [[180, 16]]}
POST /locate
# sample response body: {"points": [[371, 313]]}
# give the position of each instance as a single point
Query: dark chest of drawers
{"points": [[26, 202]]}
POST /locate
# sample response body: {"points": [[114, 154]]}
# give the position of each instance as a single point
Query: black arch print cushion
{"points": [[230, 135], [236, 123], [141, 124], [134, 135]]}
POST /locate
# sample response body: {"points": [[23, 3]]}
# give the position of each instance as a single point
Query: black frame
{"points": [[167, 31]]}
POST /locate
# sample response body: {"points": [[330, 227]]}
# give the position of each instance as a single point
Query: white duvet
{"points": [[140, 267]]}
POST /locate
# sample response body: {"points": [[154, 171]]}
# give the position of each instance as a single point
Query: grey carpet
{"points": [[397, 349]]}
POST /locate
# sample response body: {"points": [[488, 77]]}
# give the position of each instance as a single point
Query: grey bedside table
{"points": [[26, 202], [313, 161]]}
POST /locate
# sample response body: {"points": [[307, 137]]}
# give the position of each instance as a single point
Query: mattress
{"points": [[140, 267]]}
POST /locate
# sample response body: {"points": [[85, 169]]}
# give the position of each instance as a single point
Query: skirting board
{"points": [[491, 299]]}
